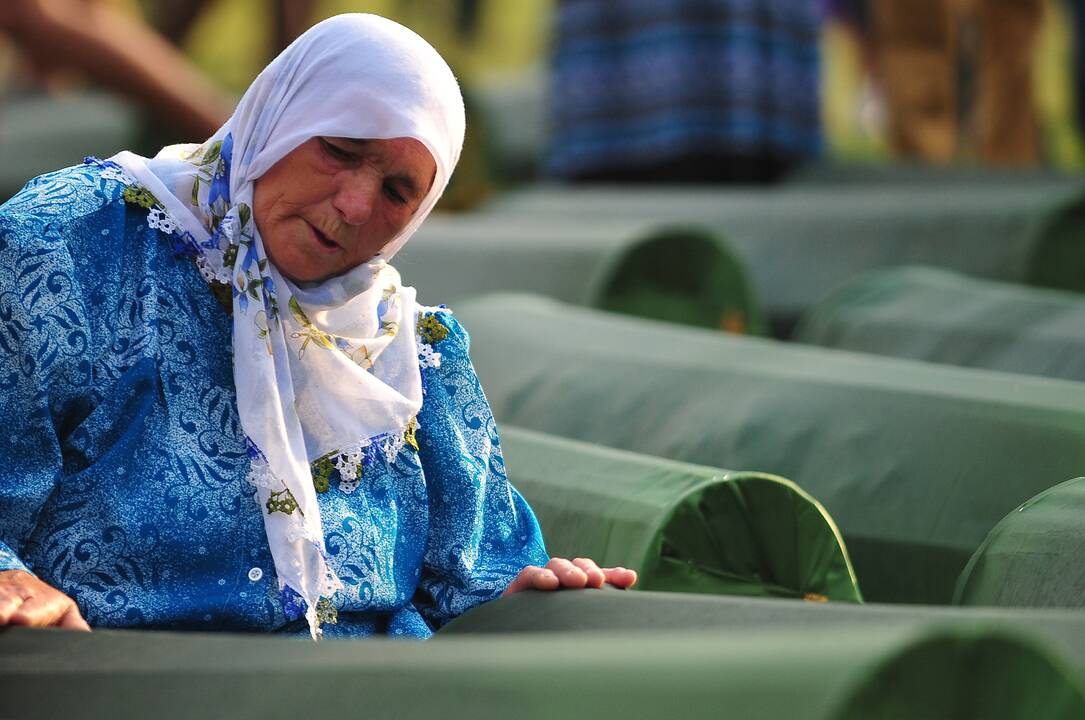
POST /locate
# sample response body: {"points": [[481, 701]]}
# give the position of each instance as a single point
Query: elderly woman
{"points": [[183, 335]]}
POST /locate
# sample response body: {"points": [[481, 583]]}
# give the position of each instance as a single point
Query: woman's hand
{"points": [[26, 600], [575, 574]]}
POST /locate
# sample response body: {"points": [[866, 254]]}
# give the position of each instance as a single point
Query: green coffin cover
{"points": [[684, 528], [763, 673], [915, 462], [616, 611], [981, 678], [939, 316], [799, 243], [678, 273], [1034, 557], [1059, 258]]}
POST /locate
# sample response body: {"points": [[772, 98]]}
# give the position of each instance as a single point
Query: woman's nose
{"points": [[357, 196]]}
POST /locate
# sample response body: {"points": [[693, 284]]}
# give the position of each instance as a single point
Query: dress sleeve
{"points": [[482, 532], [44, 373]]}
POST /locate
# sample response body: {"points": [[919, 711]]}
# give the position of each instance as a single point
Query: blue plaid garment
{"points": [[124, 481], [641, 82]]}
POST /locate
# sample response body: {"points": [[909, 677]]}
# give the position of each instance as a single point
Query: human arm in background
{"points": [[119, 52]]}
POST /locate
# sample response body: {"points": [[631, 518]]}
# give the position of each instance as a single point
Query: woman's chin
{"points": [[303, 273]]}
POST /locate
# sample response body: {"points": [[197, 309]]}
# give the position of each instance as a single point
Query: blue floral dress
{"points": [[124, 481]]}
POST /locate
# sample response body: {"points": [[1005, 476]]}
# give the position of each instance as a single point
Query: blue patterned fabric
{"points": [[642, 82], [125, 465]]}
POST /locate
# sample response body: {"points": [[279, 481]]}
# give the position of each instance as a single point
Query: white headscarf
{"points": [[320, 372]]}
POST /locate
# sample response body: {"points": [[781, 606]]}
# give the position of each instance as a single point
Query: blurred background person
{"points": [[683, 91], [118, 51], [1076, 10], [921, 45], [289, 18]]}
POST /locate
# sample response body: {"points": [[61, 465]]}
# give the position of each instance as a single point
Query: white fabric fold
{"points": [[326, 369]]}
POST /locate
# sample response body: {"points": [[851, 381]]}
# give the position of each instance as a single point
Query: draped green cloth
{"points": [[667, 271], [735, 657], [1033, 557], [800, 242], [618, 611], [683, 527], [939, 316], [1058, 261], [915, 462], [1060, 633]]}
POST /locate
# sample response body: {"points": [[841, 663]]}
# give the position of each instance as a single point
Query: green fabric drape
{"points": [[617, 612], [759, 673], [679, 273], [1033, 557], [573, 614], [938, 316], [915, 462], [682, 527], [800, 242], [1058, 260]]}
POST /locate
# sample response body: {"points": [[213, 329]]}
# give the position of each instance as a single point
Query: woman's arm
{"points": [[484, 540], [44, 370], [481, 531]]}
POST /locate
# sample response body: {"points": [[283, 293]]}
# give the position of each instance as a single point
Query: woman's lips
{"points": [[321, 240]]}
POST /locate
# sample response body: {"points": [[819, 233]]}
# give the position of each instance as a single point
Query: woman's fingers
{"points": [[620, 577], [573, 574], [533, 578], [73, 620], [569, 574], [545, 579], [41, 611], [584, 572], [26, 600], [10, 600], [596, 577]]}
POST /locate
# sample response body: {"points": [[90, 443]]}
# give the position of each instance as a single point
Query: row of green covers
{"points": [[800, 242], [631, 655], [674, 272], [939, 316], [684, 528], [915, 462]]}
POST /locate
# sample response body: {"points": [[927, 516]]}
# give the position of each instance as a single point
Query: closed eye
{"points": [[393, 194], [335, 152]]}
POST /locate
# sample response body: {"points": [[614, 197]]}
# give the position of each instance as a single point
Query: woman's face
{"points": [[331, 204]]}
